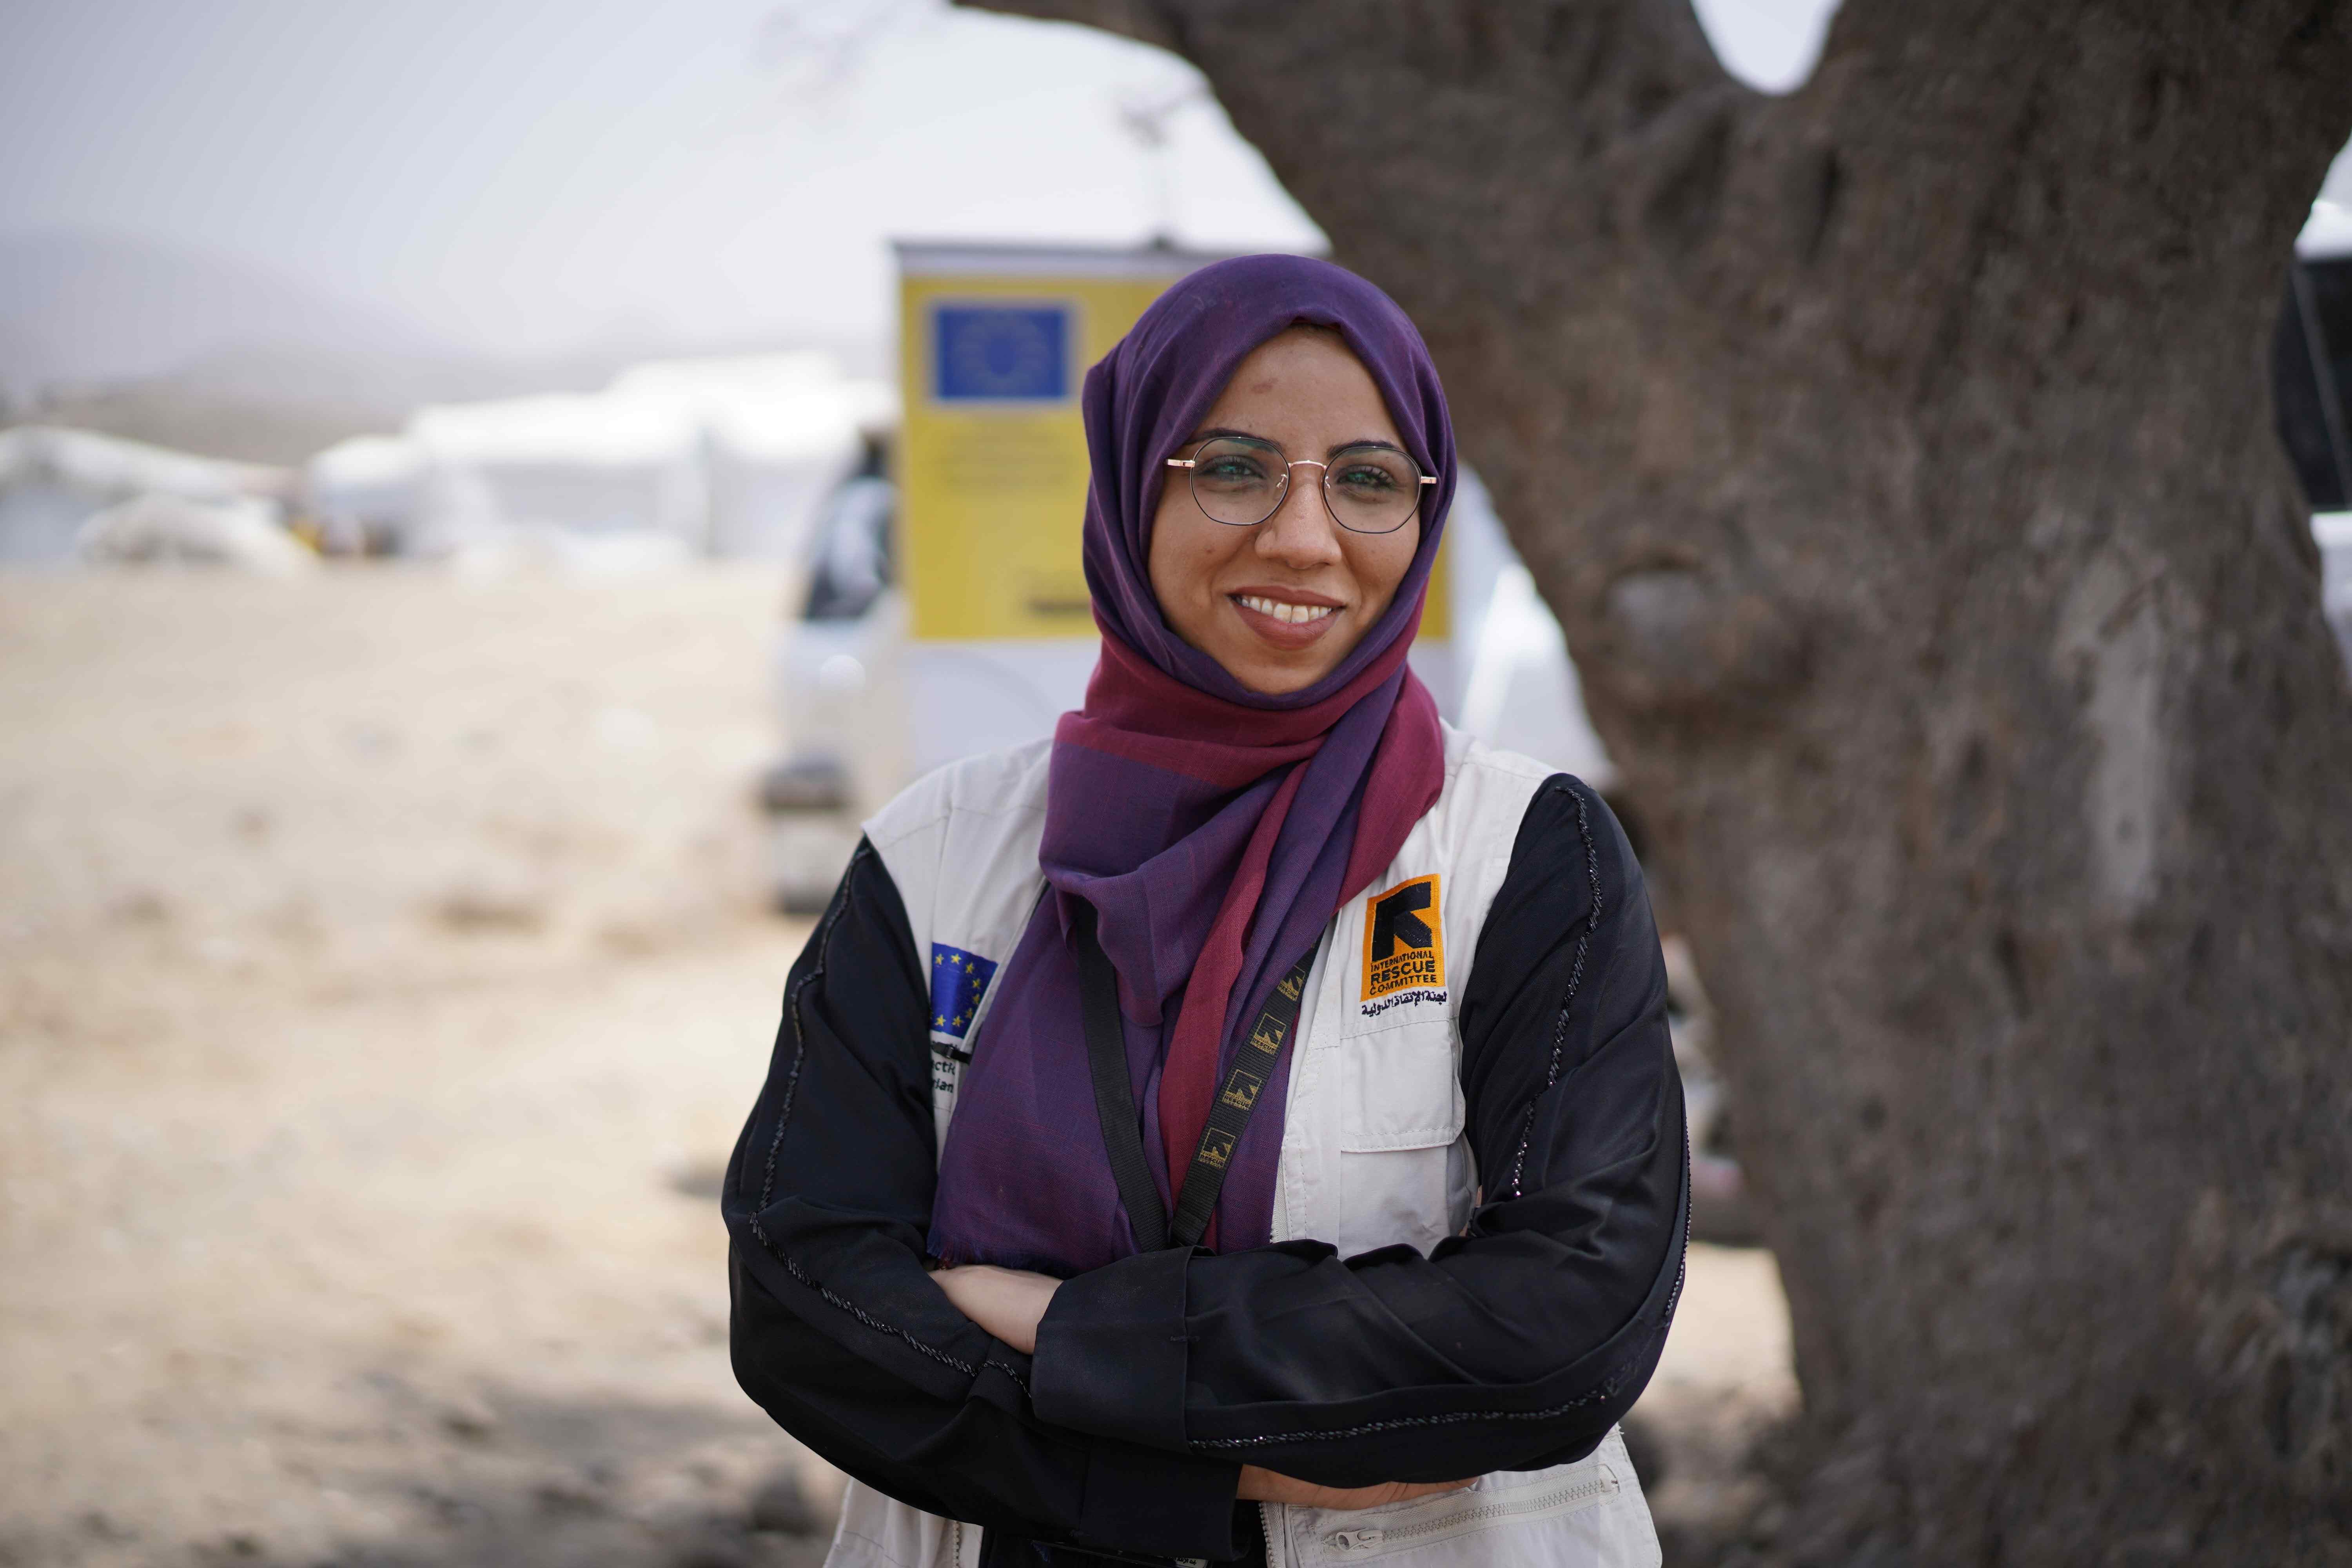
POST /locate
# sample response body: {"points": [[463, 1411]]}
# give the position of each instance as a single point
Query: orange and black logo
{"points": [[1404, 941]]}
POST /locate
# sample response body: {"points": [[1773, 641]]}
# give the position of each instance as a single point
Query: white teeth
{"points": [[1297, 615]]}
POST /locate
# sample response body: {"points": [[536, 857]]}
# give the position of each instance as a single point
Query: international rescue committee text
{"points": [[1408, 966]]}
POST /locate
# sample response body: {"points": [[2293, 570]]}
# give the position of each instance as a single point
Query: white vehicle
{"points": [[2312, 384], [840, 695], [2333, 529]]}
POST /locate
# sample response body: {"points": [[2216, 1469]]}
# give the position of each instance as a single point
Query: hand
{"points": [[1008, 1302], [1260, 1485]]}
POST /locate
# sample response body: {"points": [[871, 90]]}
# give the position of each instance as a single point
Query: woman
{"points": [[1261, 1094]]}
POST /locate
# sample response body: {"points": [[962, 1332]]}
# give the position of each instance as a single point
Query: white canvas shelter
{"points": [[726, 456], [365, 492], [54, 481], [778, 432], [158, 528]]}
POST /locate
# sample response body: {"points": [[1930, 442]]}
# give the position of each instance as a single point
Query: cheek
{"points": [[1380, 561], [1183, 560]]}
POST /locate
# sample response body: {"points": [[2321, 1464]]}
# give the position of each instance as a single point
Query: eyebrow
{"points": [[1213, 432]]}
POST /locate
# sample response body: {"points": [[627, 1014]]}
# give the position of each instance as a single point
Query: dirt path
{"points": [[382, 977]]}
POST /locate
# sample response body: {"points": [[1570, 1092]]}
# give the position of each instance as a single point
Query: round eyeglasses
{"points": [[1240, 481]]}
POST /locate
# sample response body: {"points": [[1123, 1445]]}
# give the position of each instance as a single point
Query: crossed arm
{"points": [[1010, 1302]]}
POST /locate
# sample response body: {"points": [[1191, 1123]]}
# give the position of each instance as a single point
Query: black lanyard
{"points": [[1253, 1069]]}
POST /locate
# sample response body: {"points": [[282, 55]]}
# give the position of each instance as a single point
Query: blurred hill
{"points": [[199, 352], [92, 308], [215, 355]]}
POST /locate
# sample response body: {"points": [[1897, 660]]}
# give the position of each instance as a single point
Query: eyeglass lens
{"points": [[1370, 490]]}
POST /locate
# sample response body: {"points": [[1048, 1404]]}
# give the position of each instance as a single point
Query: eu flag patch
{"points": [[959, 979]]}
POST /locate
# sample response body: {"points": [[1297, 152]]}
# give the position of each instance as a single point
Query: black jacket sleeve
{"points": [[838, 1330], [1514, 1346]]}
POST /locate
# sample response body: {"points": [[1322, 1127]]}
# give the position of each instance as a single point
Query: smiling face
{"points": [[1280, 604]]}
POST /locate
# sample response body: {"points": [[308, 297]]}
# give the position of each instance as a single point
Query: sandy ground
{"points": [[383, 976]]}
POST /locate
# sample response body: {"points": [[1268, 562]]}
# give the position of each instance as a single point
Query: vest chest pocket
{"points": [[1404, 1165]]}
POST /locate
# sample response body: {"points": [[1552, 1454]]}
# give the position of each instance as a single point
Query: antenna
{"points": [[1145, 116]]}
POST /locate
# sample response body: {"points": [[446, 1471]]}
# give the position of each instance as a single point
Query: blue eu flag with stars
{"points": [[959, 979]]}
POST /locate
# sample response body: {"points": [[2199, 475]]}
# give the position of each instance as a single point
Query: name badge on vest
{"points": [[1404, 947]]}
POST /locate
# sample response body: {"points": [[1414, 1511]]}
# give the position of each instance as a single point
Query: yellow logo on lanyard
{"points": [[1404, 941]]}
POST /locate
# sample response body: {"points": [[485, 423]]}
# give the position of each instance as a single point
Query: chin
{"points": [[1270, 679]]}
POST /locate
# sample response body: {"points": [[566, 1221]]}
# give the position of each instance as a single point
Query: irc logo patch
{"points": [[1404, 946], [959, 979]]}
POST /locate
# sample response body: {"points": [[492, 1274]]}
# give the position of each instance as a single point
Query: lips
{"points": [[1289, 614], [1286, 623]]}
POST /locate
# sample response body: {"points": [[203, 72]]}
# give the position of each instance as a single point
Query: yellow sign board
{"points": [[994, 345]]}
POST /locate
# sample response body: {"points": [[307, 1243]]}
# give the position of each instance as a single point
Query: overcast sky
{"points": [[532, 177]]}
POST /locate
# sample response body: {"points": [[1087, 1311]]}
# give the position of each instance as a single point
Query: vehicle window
{"points": [[2312, 379], [850, 562]]}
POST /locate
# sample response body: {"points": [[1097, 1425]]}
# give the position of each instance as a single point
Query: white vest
{"points": [[1373, 1150]]}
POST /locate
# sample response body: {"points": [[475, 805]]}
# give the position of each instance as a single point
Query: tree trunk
{"points": [[1898, 458]]}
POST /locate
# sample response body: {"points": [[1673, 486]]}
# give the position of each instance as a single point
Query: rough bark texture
{"points": [[1898, 457]]}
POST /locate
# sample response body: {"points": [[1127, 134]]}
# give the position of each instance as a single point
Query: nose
{"points": [[1300, 533]]}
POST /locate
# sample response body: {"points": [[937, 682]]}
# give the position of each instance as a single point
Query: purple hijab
{"points": [[1214, 829]]}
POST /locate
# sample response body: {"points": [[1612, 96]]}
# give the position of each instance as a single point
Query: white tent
{"points": [[778, 431], [726, 456], [53, 482], [156, 528], [365, 492]]}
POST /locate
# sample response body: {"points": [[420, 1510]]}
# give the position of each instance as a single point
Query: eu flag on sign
{"points": [[1017, 353], [959, 979]]}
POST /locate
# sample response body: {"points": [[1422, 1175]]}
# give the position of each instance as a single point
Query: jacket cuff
{"points": [[1111, 1353], [1139, 1501]]}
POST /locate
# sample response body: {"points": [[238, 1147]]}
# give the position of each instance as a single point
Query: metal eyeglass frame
{"points": [[1282, 494]]}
